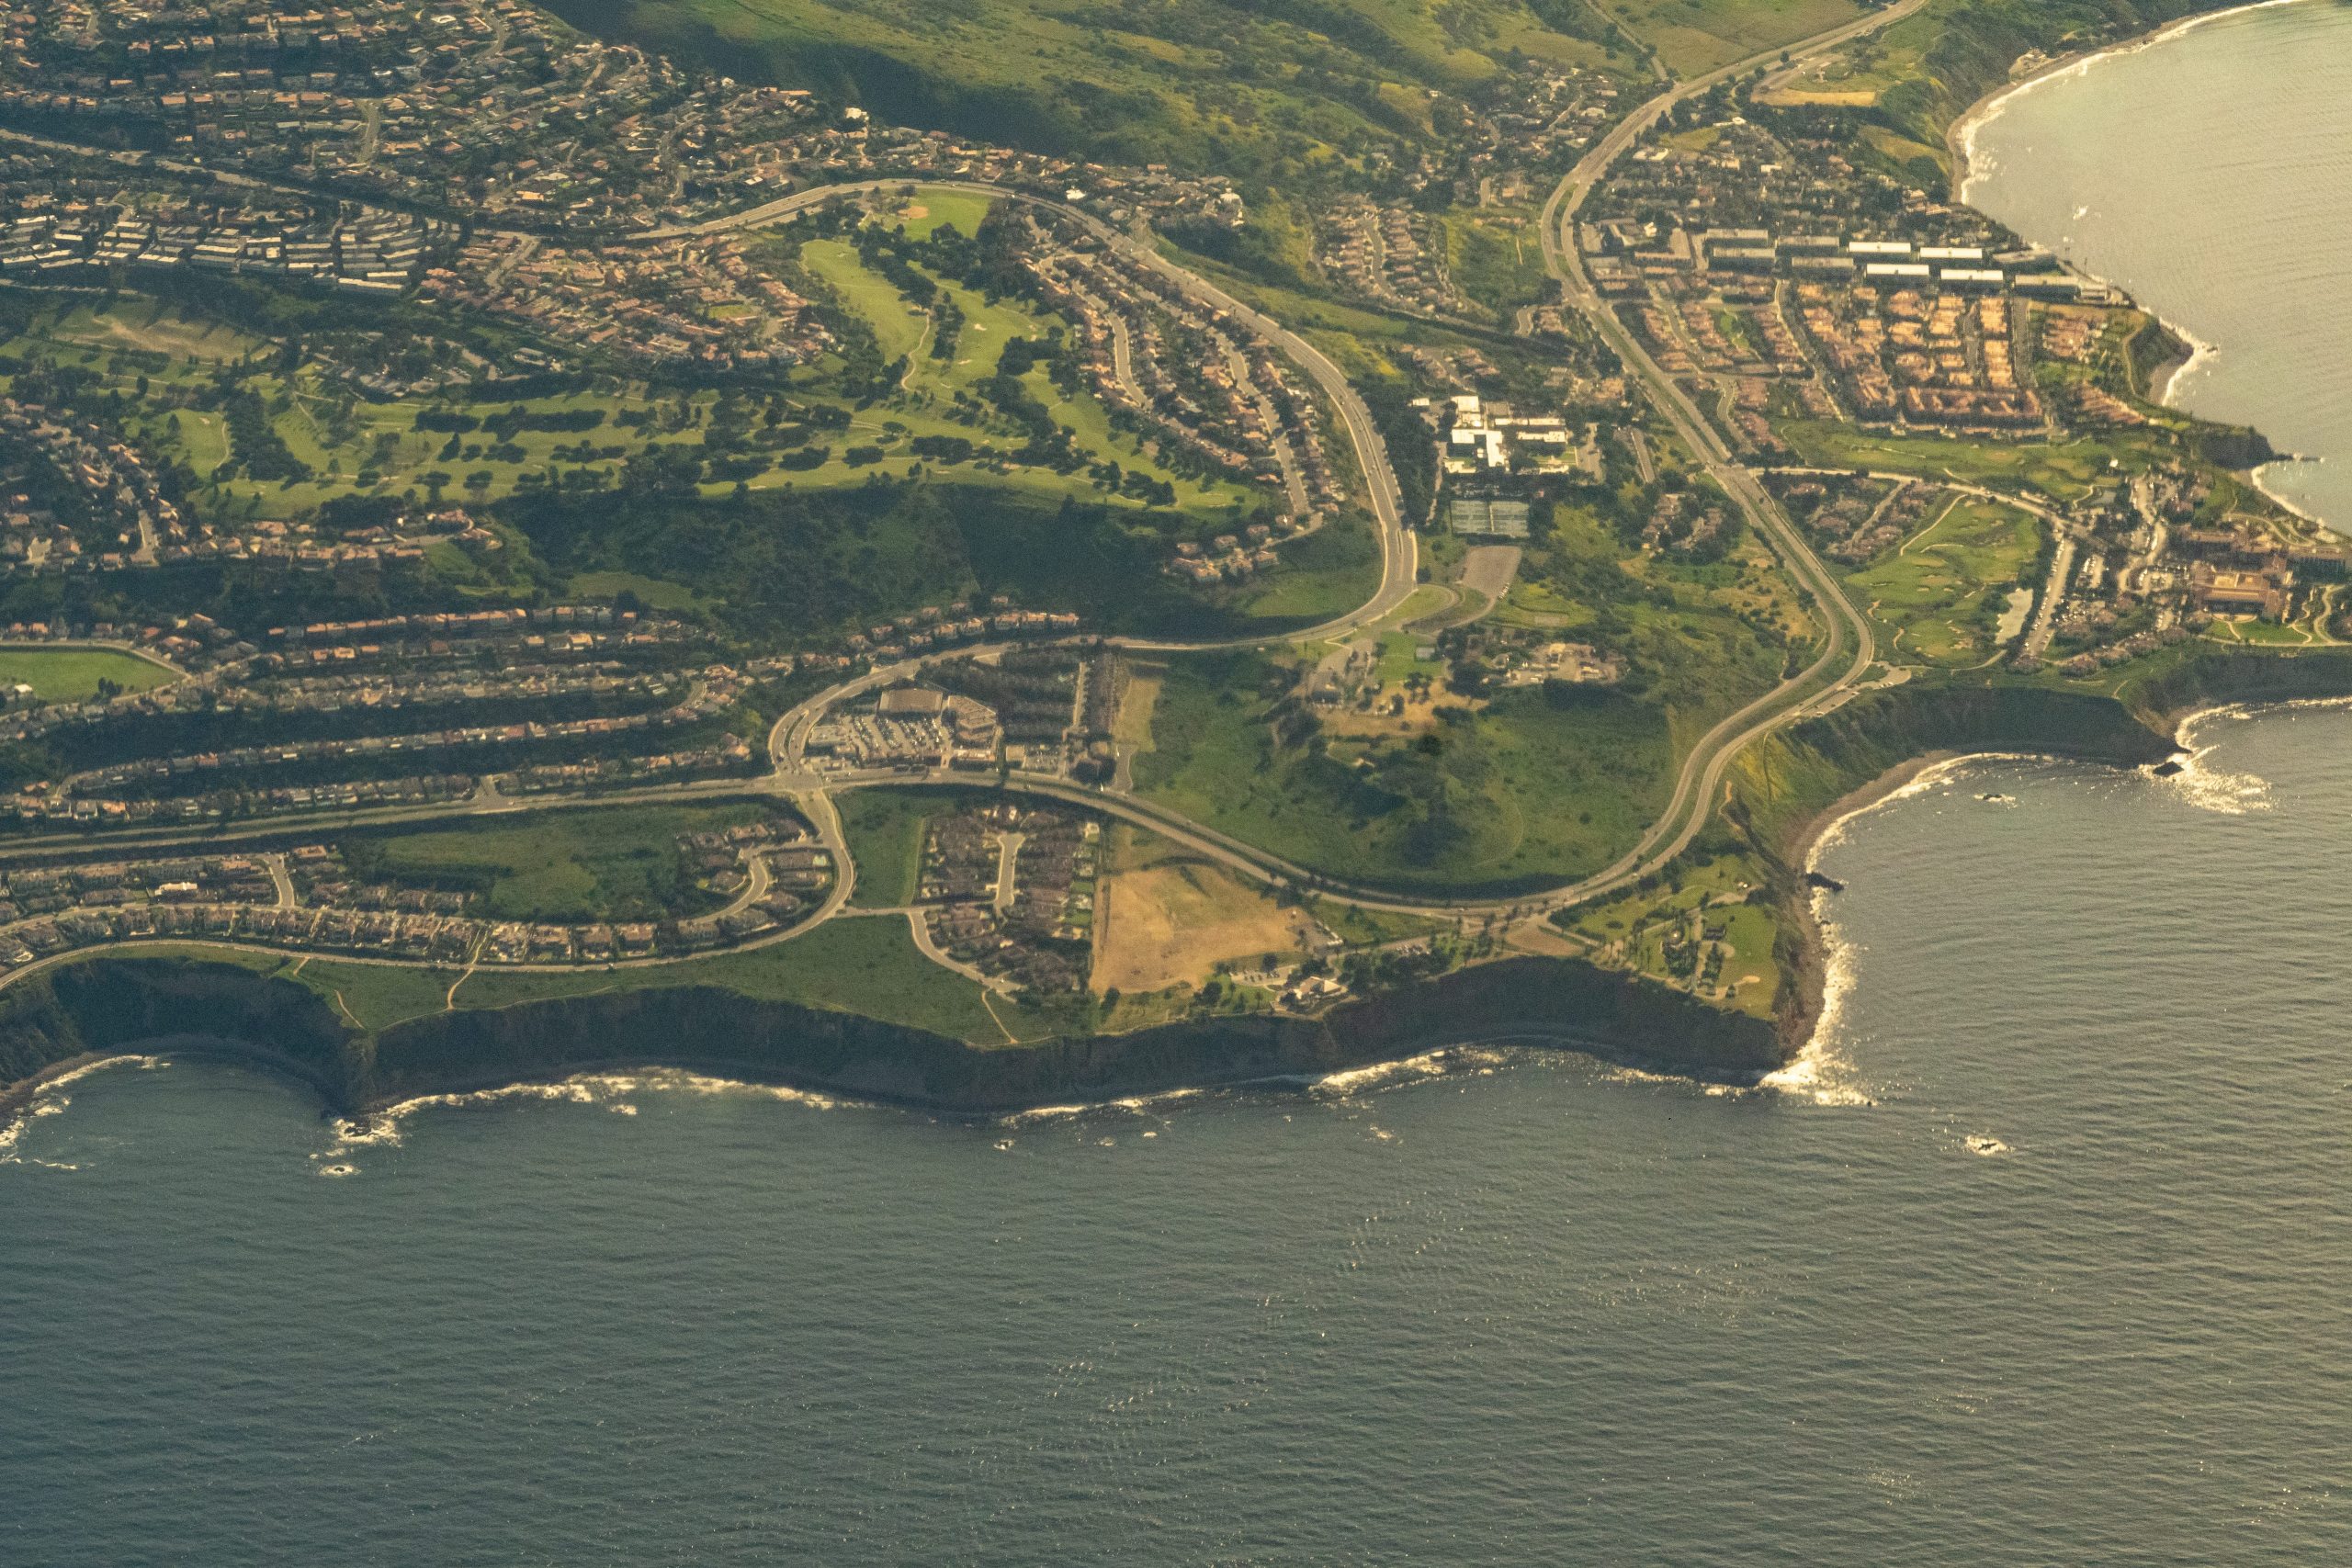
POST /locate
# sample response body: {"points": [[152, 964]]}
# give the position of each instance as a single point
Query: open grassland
{"points": [[1248, 90], [1941, 593], [1168, 917], [593, 863], [1532, 789], [72, 674], [869, 966], [1695, 36]]}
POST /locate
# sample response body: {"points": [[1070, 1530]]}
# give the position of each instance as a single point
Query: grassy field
{"points": [[1525, 791], [72, 674], [1691, 38], [596, 862], [864, 965], [2066, 470], [933, 206], [1941, 593], [885, 828], [1168, 917]]}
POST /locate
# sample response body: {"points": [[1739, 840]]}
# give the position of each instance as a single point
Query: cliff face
{"points": [[111, 1004], [1787, 782], [731, 1033], [114, 1004]]}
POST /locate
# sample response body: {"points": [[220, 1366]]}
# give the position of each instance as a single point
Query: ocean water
{"points": [[2046, 1257], [2210, 173]]}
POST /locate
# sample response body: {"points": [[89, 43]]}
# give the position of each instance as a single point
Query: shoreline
{"points": [[1960, 141]]}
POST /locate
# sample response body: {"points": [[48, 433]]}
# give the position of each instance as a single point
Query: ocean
{"points": [[2044, 1255], [2206, 173]]}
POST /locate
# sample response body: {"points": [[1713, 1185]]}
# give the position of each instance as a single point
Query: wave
{"points": [[382, 1129], [48, 1098], [2198, 783]]}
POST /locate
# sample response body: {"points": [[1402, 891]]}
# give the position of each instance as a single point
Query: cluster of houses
{"points": [[935, 627], [1387, 254], [1852, 519], [1903, 356], [1008, 890], [692, 299], [1194, 373], [124, 502], [769, 873], [370, 252], [1227, 557], [705, 699]]}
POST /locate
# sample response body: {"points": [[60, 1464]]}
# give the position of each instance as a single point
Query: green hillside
{"points": [[1275, 88]]}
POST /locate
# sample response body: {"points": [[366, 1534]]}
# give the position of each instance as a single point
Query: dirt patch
{"points": [[1176, 920], [1489, 569]]}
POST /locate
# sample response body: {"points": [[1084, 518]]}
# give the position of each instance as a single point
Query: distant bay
{"points": [[2209, 171]]}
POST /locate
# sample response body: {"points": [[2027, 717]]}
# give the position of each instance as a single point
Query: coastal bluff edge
{"points": [[79, 1013]]}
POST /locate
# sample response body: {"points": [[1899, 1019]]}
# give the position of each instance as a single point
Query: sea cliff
{"points": [[104, 1005]]}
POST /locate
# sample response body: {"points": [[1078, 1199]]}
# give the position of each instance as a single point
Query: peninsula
{"points": [[1216, 552]]}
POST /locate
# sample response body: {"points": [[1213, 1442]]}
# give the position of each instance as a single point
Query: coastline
{"points": [[1968, 169], [115, 1008]]}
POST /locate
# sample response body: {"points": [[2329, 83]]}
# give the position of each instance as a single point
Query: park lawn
{"points": [[1751, 973], [1939, 594], [584, 863], [933, 206], [72, 674]]}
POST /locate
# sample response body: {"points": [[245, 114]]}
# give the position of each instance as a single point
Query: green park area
{"points": [[74, 674], [1942, 593], [949, 399], [1530, 788], [615, 862]]}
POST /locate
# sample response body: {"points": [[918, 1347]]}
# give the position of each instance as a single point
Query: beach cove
{"points": [[2193, 172]]}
